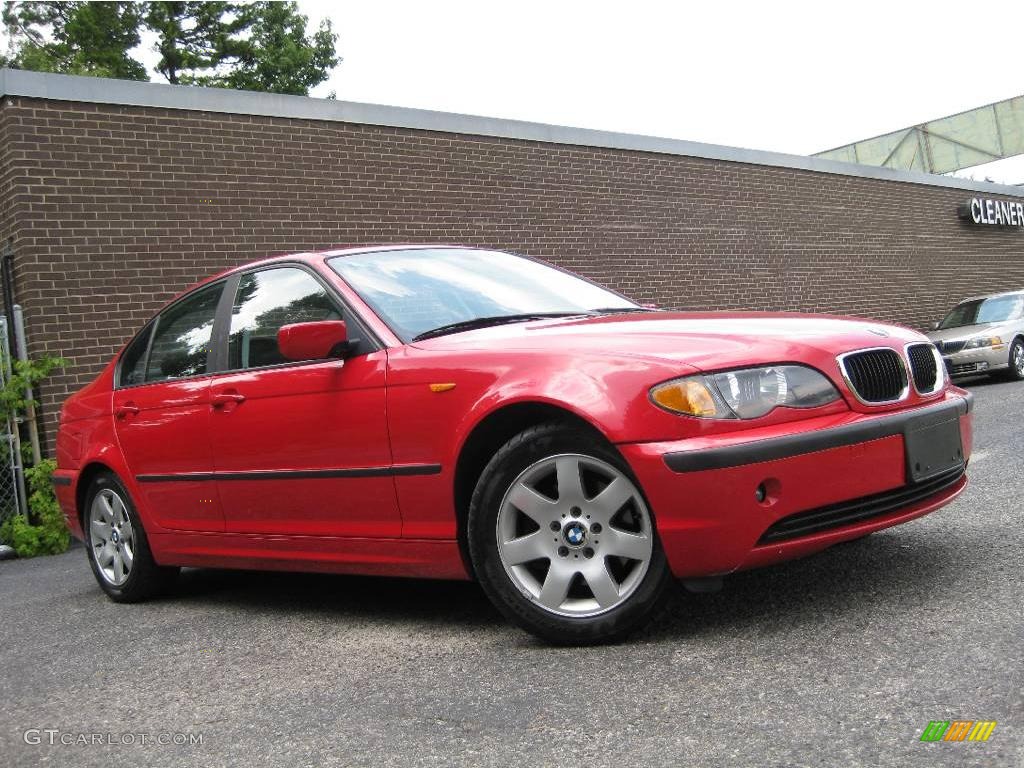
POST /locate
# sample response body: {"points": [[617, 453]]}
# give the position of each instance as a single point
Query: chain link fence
{"points": [[10, 464]]}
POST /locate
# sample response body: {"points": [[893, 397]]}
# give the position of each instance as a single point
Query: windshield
{"points": [[995, 310], [426, 289]]}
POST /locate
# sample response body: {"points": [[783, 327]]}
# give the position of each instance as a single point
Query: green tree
{"points": [[78, 38], [194, 38], [277, 55], [262, 46], [258, 46]]}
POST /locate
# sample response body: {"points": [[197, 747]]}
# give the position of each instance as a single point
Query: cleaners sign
{"points": [[993, 213]]}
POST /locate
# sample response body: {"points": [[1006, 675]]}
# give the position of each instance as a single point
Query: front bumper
{"points": [[968, 362], [720, 502]]}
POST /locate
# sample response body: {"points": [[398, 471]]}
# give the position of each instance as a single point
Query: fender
{"points": [[432, 427], [104, 451], [87, 437]]}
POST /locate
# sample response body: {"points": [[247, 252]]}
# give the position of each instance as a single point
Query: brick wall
{"points": [[114, 209]]}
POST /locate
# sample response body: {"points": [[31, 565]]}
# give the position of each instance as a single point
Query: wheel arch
{"points": [[487, 436], [86, 477]]}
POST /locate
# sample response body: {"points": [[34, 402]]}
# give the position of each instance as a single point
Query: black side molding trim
{"points": [[297, 474], [60, 480], [787, 446]]}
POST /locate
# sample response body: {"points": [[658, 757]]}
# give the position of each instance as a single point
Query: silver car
{"points": [[984, 335]]}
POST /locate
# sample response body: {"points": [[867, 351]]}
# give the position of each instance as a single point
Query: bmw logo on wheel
{"points": [[575, 533]]}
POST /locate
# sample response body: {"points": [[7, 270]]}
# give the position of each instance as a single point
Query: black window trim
{"points": [[227, 305], [150, 328], [154, 324], [217, 361]]}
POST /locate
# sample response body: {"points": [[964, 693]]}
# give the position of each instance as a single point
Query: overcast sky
{"points": [[783, 76], [791, 77]]}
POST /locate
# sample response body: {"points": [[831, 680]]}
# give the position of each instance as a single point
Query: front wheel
{"points": [[562, 540], [1016, 369]]}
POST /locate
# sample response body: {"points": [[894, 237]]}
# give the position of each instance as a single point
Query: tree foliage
{"points": [[262, 45], [77, 38], [193, 37], [278, 55]]}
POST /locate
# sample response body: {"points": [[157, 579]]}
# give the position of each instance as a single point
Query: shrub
{"points": [[49, 536], [43, 530]]}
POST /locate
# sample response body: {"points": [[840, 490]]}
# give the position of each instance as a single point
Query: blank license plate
{"points": [[932, 449]]}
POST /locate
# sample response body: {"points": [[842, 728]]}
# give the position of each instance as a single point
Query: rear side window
{"points": [[133, 361], [181, 342], [267, 300]]}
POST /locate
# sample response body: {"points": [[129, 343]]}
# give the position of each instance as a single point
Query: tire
{"points": [[1016, 370], [535, 538], [113, 529]]}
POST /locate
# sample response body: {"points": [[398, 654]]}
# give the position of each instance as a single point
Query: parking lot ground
{"points": [[840, 659]]}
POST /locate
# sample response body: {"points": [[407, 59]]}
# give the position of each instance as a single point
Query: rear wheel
{"points": [[562, 539], [117, 546]]}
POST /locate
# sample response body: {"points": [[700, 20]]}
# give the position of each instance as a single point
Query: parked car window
{"points": [[133, 361], [265, 301], [418, 290], [998, 309], [181, 344]]}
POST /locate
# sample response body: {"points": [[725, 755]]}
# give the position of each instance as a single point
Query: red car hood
{"points": [[705, 340]]}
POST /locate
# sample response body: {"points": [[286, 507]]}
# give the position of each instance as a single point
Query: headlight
{"points": [[983, 341], [745, 394]]}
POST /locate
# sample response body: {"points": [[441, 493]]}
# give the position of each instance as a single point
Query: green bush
{"points": [[43, 531], [49, 536], [26, 373]]}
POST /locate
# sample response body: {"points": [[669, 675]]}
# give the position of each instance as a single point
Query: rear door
{"points": [[300, 448], [162, 413]]}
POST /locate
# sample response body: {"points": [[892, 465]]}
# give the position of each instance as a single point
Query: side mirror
{"points": [[313, 341], [935, 325]]}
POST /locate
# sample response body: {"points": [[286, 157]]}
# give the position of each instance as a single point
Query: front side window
{"points": [[417, 292], [181, 344], [267, 300]]}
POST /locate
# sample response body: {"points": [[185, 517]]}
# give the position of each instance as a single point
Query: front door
{"points": [[162, 413], [299, 448]]}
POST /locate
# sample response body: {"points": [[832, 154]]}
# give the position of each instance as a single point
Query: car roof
{"points": [[308, 256], [1016, 292]]}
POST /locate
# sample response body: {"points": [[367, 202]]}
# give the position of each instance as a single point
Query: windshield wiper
{"points": [[622, 310], [484, 322]]}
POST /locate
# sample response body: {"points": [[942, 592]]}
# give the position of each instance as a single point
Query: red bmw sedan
{"points": [[448, 412]]}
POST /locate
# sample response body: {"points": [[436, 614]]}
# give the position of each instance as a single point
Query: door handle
{"points": [[128, 409], [221, 399]]}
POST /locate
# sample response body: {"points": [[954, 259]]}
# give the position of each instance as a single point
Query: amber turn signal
{"points": [[690, 396]]}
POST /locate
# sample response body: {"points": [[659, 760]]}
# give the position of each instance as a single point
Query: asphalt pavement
{"points": [[841, 659]]}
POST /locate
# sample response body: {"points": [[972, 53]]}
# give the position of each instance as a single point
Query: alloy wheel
{"points": [[574, 535], [1018, 359], [111, 537]]}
